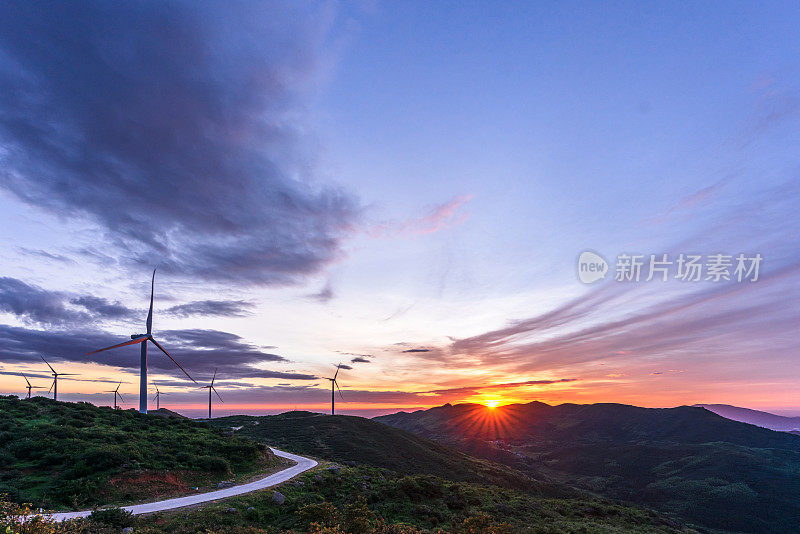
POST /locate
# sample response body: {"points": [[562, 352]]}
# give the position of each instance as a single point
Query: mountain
{"points": [[755, 417], [685, 460], [348, 439], [60, 455]]}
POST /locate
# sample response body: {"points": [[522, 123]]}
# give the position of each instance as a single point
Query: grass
{"points": [[60, 455], [366, 499]]}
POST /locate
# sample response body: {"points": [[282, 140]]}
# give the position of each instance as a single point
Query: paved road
{"points": [[303, 464]]}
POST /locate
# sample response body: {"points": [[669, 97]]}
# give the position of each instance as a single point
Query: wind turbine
{"points": [[334, 382], [143, 339], [54, 385], [29, 386], [116, 394], [211, 388], [157, 397]]}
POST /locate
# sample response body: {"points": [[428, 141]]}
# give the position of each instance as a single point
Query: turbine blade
{"points": [[337, 371], [48, 365], [131, 342], [340, 389], [215, 391], [51, 386], [118, 385], [157, 344], [120, 397], [26, 380], [214, 377], [150, 313]]}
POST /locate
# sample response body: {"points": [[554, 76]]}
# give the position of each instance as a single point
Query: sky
{"points": [[404, 188]]}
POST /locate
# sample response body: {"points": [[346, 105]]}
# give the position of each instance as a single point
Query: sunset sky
{"points": [[405, 188]]}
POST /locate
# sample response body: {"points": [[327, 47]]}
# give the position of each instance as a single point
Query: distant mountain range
{"points": [[755, 417], [686, 460]]}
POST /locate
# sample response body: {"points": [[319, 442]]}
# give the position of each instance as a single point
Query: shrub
{"points": [[112, 517]]}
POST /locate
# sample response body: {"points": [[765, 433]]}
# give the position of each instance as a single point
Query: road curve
{"points": [[303, 464]]}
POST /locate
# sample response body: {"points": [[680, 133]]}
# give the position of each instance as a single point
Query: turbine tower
{"points": [[211, 388], [116, 394], [29, 386], [54, 385], [335, 383], [143, 339]]}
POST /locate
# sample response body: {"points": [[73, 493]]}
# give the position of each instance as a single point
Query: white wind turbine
{"points": [[143, 339], [54, 385]]}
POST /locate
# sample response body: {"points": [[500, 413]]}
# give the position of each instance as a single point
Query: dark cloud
{"points": [[345, 366], [213, 308], [360, 359], [177, 127], [34, 304], [417, 350], [103, 308], [199, 351]]}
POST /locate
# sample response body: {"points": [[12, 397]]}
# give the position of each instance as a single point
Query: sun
{"points": [[492, 404]]}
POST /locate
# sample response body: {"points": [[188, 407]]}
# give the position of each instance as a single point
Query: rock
{"points": [[225, 484], [127, 530], [367, 477], [278, 497], [334, 469], [318, 478], [231, 510], [250, 508]]}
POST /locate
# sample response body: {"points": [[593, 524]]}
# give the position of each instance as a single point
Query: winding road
{"points": [[303, 464]]}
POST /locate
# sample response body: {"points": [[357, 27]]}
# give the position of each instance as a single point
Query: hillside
{"points": [[61, 455], [685, 460], [754, 417], [367, 500], [349, 439]]}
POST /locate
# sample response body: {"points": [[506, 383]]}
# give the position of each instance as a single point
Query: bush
{"points": [[112, 517]]}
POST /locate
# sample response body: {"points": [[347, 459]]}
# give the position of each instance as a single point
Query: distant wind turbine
{"points": [[29, 386], [143, 339], [116, 394], [157, 397], [54, 385], [211, 388], [335, 383]]}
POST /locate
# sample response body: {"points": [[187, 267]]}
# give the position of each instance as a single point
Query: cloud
{"points": [[178, 128], [474, 390], [360, 359], [58, 308], [103, 308], [34, 304], [323, 295], [440, 217], [417, 350], [345, 366], [212, 308], [199, 351]]}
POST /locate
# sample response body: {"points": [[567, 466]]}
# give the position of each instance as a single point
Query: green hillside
{"points": [[62, 455], [367, 500], [684, 460], [348, 439]]}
